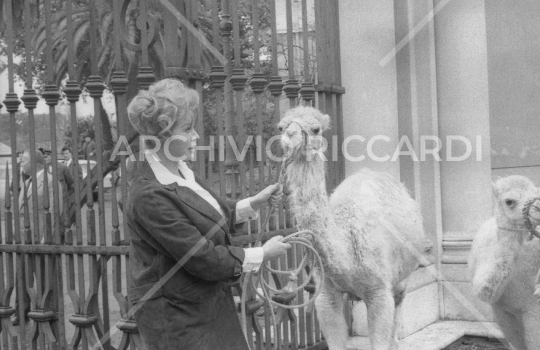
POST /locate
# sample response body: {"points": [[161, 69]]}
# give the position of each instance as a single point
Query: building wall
{"points": [[370, 104], [513, 48], [464, 71]]}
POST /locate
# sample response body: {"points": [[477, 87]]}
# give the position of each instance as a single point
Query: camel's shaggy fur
{"points": [[369, 233], [504, 263]]}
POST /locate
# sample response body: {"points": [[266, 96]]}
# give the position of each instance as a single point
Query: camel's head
{"points": [[301, 132], [512, 195]]}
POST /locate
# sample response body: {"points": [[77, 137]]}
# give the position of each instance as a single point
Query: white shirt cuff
{"points": [[253, 259], [244, 211]]}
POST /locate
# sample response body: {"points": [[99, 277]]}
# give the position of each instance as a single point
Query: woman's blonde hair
{"points": [[167, 100]]}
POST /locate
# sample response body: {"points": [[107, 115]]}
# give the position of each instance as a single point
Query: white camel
{"points": [[369, 233], [504, 263]]}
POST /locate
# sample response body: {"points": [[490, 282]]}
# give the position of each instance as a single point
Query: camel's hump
{"points": [[366, 181], [369, 186]]}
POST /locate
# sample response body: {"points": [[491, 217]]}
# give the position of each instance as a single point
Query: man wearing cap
{"points": [[64, 173]]}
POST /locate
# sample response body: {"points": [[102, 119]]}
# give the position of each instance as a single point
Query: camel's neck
{"points": [[310, 204], [509, 245], [312, 210], [307, 184]]}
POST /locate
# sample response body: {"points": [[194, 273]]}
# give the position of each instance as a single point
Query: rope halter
{"points": [[526, 216], [529, 227], [303, 238]]}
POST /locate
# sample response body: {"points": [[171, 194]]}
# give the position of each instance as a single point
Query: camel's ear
{"points": [[494, 190], [325, 122]]}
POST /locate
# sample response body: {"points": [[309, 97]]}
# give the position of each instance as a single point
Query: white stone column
{"points": [[462, 76], [463, 108], [370, 100], [420, 171]]}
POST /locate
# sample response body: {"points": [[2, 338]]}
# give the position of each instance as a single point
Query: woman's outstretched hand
{"points": [[273, 248], [270, 195]]}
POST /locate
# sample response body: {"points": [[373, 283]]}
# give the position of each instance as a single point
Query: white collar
{"points": [[164, 176]]}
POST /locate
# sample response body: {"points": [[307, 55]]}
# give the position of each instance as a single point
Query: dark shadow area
{"points": [[476, 343]]}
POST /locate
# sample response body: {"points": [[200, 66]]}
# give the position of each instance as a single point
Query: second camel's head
{"points": [[512, 195]]}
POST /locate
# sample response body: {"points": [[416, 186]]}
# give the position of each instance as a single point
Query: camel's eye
{"points": [[510, 202], [280, 128], [316, 130]]}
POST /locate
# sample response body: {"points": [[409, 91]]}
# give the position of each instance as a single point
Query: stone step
{"points": [[437, 335]]}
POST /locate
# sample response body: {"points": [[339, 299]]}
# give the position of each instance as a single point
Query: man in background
{"points": [[65, 176], [26, 203], [89, 148], [68, 161], [22, 176]]}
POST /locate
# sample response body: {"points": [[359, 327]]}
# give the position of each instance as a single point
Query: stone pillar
{"points": [[419, 167], [463, 107], [369, 104], [462, 75]]}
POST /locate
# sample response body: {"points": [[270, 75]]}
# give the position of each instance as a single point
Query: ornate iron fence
{"points": [[249, 59]]}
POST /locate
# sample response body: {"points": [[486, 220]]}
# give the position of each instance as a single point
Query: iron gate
{"points": [[249, 59]]}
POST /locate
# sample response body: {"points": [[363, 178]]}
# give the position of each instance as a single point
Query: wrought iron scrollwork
{"points": [[151, 26]]}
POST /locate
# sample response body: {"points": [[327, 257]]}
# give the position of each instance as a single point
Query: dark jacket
{"points": [[89, 150], [66, 178], [170, 225], [79, 169]]}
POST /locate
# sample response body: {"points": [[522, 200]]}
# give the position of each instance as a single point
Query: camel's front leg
{"points": [[491, 274], [381, 316], [399, 295], [329, 306]]}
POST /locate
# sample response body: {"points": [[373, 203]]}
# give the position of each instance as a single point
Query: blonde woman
{"points": [[180, 253]]}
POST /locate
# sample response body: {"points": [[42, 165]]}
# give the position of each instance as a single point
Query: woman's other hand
{"points": [[270, 195], [273, 248]]}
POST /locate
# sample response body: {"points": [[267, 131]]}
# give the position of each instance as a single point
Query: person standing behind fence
{"points": [[65, 176], [89, 148], [67, 167], [180, 227], [27, 204], [68, 161], [22, 176], [40, 169]]}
